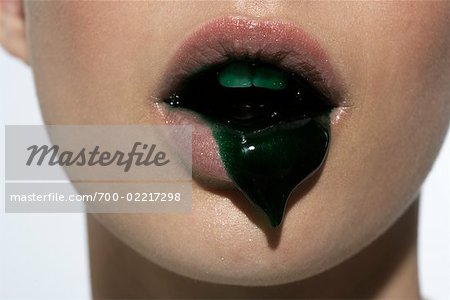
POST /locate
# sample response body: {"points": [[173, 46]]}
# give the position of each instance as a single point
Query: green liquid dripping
{"points": [[271, 127], [267, 165]]}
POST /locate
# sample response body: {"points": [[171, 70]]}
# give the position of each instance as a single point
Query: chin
{"points": [[219, 243]]}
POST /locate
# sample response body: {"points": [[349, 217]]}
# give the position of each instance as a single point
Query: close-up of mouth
{"points": [[234, 149], [260, 97]]}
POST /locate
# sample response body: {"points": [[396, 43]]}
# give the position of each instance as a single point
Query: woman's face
{"points": [[101, 63]]}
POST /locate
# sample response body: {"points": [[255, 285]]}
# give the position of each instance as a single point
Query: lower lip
{"points": [[221, 39], [206, 161]]}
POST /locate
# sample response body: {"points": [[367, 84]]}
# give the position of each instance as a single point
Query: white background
{"points": [[45, 255]]}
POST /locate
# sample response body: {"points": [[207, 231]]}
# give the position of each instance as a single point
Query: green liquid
{"points": [[269, 125], [267, 165]]}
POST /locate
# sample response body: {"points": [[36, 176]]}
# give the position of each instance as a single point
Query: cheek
{"points": [[94, 62], [406, 110], [385, 147]]}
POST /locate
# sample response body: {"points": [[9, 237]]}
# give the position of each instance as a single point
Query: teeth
{"points": [[242, 75], [236, 75], [268, 78]]}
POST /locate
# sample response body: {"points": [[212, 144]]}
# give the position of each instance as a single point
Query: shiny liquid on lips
{"points": [[272, 128]]}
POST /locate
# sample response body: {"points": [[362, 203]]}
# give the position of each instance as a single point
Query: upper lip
{"points": [[279, 43]]}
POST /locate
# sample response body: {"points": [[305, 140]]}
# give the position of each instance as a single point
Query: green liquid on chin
{"points": [[268, 164]]}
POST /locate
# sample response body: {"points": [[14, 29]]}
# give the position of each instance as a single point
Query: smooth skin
{"points": [[350, 232]]}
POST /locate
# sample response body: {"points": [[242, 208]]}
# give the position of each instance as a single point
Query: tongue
{"points": [[267, 165]]}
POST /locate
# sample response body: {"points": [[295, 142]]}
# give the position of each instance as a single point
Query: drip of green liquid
{"points": [[268, 164], [271, 127]]}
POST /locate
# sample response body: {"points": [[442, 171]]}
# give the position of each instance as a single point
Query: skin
{"points": [[97, 62]]}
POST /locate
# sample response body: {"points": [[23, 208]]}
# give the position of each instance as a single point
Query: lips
{"points": [[236, 38], [259, 95]]}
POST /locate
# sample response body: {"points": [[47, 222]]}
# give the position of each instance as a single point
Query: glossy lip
{"points": [[279, 43]]}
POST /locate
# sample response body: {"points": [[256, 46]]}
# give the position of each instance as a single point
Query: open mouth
{"points": [[259, 97], [249, 96]]}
